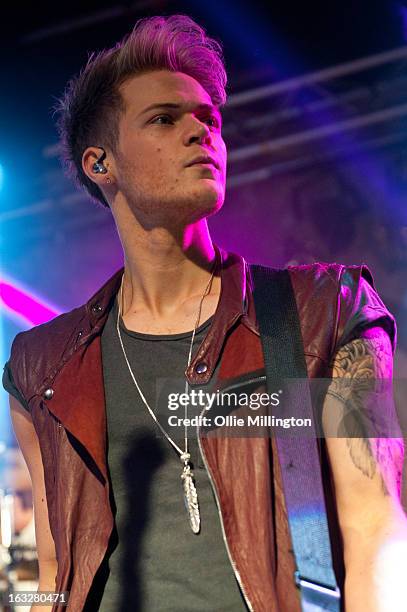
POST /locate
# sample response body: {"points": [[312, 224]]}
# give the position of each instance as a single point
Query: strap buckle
{"points": [[317, 597]]}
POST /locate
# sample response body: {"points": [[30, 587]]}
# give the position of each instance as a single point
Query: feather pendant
{"points": [[191, 499]]}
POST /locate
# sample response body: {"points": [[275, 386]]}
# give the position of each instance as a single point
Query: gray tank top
{"points": [[155, 562]]}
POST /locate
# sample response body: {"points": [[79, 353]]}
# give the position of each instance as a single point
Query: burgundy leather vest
{"points": [[58, 369]]}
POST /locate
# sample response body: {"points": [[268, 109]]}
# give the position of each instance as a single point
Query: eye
{"points": [[212, 121], [163, 120]]}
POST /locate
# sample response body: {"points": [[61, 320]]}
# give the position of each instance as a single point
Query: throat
{"points": [[182, 321]]}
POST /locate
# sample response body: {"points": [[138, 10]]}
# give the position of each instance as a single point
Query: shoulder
{"points": [[51, 331], [342, 298], [33, 350], [331, 276], [36, 353]]}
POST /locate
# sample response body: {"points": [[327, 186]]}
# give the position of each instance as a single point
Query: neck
{"points": [[165, 268]]}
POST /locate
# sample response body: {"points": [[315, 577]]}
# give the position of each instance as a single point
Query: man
{"points": [[141, 127]]}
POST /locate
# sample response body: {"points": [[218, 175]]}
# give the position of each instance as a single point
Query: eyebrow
{"points": [[174, 105]]}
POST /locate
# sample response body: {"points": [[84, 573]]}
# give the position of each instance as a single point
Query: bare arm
{"points": [[367, 473], [28, 441]]}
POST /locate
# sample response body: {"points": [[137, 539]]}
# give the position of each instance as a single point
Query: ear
{"points": [[89, 158]]}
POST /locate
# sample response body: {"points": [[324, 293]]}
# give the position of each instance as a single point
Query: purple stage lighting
{"points": [[24, 305]]}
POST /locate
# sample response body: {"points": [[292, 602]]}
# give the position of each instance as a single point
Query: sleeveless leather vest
{"points": [[58, 369]]}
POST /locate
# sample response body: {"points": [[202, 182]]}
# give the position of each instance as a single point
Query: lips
{"points": [[203, 159]]}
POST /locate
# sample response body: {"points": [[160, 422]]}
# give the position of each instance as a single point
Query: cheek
{"points": [[157, 159], [223, 155], [149, 164], [158, 172]]}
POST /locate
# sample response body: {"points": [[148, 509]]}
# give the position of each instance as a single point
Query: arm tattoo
{"points": [[361, 370]]}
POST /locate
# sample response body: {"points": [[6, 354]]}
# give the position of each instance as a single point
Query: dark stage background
{"points": [[315, 127]]}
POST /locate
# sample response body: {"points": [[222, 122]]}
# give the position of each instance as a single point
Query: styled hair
{"points": [[89, 110]]}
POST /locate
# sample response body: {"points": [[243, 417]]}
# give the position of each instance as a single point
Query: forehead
{"points": [[142, 90]]}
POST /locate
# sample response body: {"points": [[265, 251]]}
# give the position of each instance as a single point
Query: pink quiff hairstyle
{"points": [[89, 110]]}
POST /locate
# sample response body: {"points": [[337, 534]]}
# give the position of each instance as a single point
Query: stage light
{"points": [[23, 306]]}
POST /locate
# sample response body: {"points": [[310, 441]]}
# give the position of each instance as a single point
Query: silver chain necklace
{"points": [[187, 476]]}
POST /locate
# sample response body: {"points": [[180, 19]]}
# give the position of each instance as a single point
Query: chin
{"points": [[207, 202]]}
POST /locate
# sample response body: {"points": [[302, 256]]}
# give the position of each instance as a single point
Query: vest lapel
{"points": [[79, 403]]}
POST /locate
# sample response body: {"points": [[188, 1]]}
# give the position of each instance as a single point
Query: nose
{"points": [[197, 132]]}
